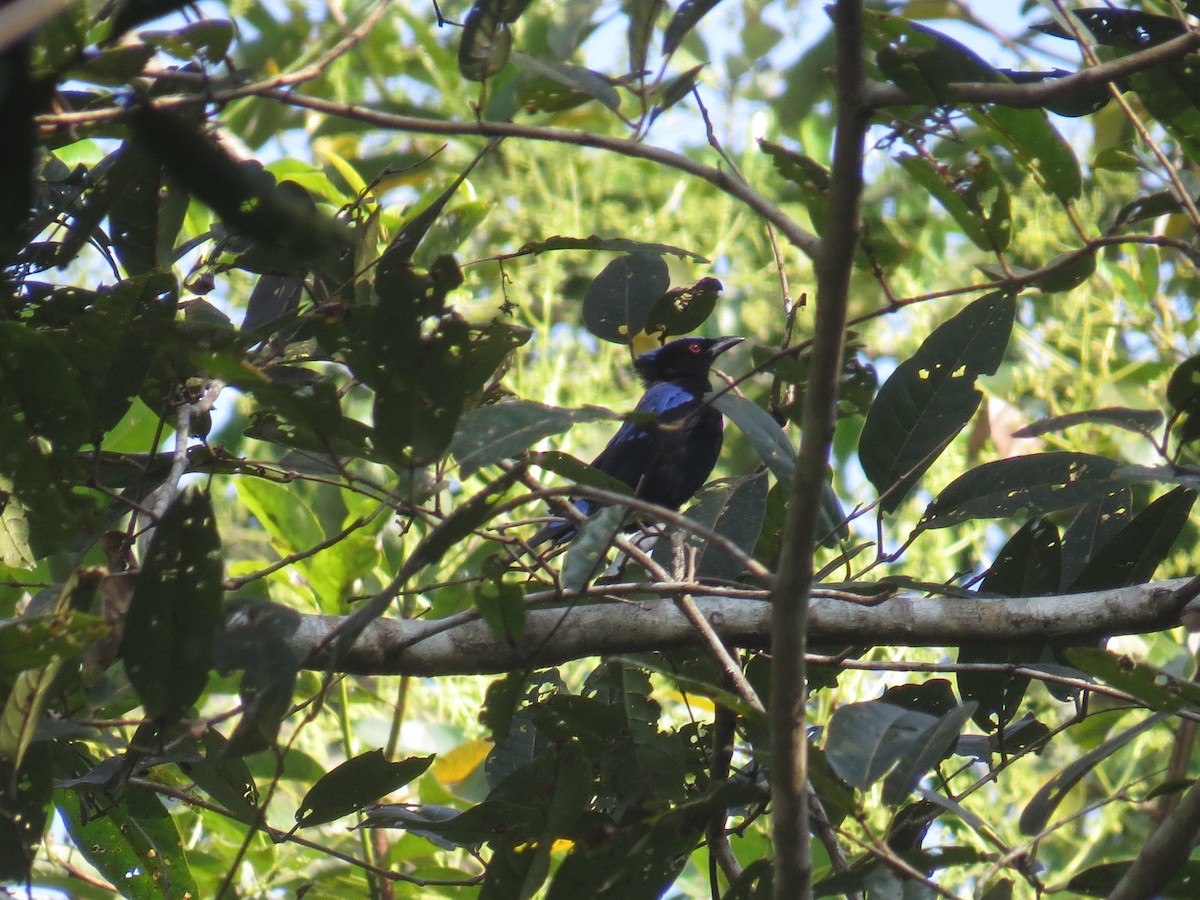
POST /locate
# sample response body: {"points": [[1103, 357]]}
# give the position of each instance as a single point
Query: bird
{"points": [[663, 460]]}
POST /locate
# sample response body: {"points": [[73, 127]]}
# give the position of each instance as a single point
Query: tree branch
{"points": [[1032, 96], [407, 647], [790, 595]]}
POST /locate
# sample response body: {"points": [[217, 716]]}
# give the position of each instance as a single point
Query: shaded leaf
{"points": [[932, 395], [175, 609], [1091, 529], [1136, 551], [575, 78], [1141, 421], [924, 752], [620, 245], [1023, 486], [502, 606], [586, 554], [865, 740], [619, 300], [683, 310], [1158, 690], [685, 18], [485, 43], [355, 784], [503, 430], [1099, 880], [1037, 812], [976, 197], [1037, 146]]}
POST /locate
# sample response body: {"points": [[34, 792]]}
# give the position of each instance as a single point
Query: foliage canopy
{"points": [[306, 314]]}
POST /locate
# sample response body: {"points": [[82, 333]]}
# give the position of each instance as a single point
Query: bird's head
{"points": [[682, 358]]}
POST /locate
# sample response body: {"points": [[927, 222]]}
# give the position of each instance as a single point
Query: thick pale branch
{"points": [[1039, 94], [552, 636]]}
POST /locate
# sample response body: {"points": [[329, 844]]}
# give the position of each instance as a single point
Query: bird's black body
{"points": [[666, 460]]}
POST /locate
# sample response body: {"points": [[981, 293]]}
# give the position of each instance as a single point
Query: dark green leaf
{"points": [[1099, 880], [208, 38], [732, 509], [574, 78], [619, 245], [587, 552], [1129, 29], [866, 739], [1029, 565], [1023, 486], [1183, 390], [503, 430], [1142, 421], [132, 842], [1170, 92], [922, 62], [975, 196], [684, 20], [357, 783], [925, 752], [1037, 146], [226, 778], [1041, 807], [1067, 272], [1136, 551], [619, 300], [175, 609], [485, 44], [1091, 529], [643, 16], [683, 310], [932, 395], [1158, 690], [502, 606]]}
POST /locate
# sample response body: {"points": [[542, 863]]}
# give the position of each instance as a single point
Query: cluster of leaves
{"points": [[152, 642]]}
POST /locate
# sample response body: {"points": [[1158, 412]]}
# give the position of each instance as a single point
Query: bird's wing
{"points": [[637, 444]]}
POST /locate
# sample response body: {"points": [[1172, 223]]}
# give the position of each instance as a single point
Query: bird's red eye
{"points": [[693, 348]]}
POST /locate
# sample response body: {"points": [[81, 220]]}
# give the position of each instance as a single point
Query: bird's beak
{"points": [[720, 345]]}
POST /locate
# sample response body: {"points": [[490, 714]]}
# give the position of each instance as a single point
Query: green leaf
{"points": [[865, 740], [732, 509], [643, 16], [685, 18], [175, 609], [1090, 530], [587, 551], [502, 606], [932, 395], [209, 38], [575, 78], [133, 843], [225, 777], [1099, 880], [1135, 552], [975, 196], [1170, 92], [1023, 486], [920, 61], [1158, 690], [491, 433], [924, 752], [1029, 565], [1041, 807], [1183, 389], [1141, 421], [620, 299], [357, 783], [485, 44], [1036, 145], [619, 245], [683, 310]]}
